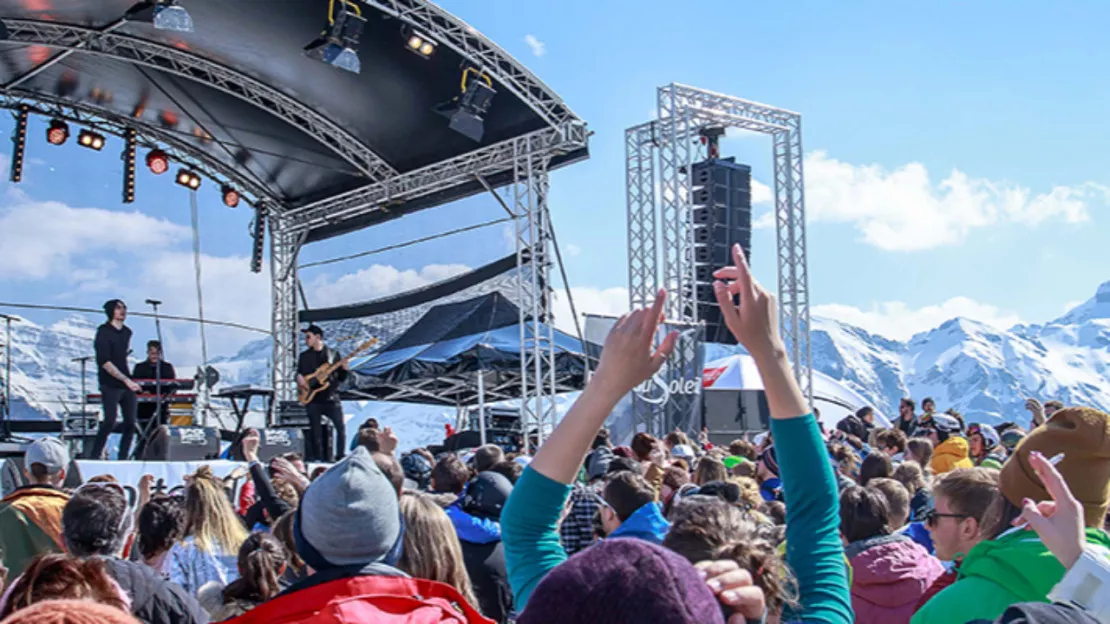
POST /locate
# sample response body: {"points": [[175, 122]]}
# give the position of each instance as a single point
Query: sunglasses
{"points": [[129, 495], [933, 516]]}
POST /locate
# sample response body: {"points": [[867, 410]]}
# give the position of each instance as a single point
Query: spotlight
{"points": [[158, 162], [129, 166], [466, 111], [91, 140], [58, 132], [338, 44], [188, 179], [231, 196], [19, 143], [420, 44], [163, 14]]}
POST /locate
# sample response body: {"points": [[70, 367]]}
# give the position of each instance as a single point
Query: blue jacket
{"points": [[771, 489], [646, 523], [472, 528], [918, 533]]}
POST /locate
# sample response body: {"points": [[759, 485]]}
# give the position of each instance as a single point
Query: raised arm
{"points": [[813, 548]]}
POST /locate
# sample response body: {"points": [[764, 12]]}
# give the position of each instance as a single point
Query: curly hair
{"points": [[56, 576], [707, 529], [161, 525]]}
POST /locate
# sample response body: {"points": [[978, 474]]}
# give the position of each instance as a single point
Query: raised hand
{"points": [[629, 355], [754, 320], [733, 587], [387, 441], [1059, 522], [250, 446]]}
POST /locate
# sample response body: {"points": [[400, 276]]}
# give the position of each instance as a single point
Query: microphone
{"points": [[153, 302]]}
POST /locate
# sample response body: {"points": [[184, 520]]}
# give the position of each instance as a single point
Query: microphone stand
{"points": [[154, 303], [84, 400], [5, 427]]}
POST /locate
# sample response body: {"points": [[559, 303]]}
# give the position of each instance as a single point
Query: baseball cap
{"points": [[50, 452], [313, 329]]}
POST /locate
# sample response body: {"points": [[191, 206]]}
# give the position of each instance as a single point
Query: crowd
{"points": [[930, 520]]}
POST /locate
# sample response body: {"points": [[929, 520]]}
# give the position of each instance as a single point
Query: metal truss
{"points": [[484, 162], [464, 39], [681, 112], [177, 146], [199, 69], [640, 143], [537, 339], [283, 274]]}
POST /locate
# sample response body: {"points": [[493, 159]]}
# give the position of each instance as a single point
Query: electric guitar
{"points": [[321, 379]]}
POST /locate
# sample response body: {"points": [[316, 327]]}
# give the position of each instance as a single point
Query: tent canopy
{"points": [[439, 358]]}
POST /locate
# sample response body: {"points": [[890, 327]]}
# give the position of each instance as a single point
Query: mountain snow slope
{"points": [[984, 372]]}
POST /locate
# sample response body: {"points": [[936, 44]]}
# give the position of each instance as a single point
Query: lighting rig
{"points": [[19, 143], [90, 139], [58, 132], [157, 161], [338, 44], [258, 234], [163, 14], [188, 179], [418, 43], [467, 111], [129, 147]]}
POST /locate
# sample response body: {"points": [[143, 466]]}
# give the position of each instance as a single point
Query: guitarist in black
{"points": [[326, 402]]}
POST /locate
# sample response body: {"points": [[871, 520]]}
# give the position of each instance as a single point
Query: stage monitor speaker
{"points": [[729, 414], [279, 442], [183, 444]]}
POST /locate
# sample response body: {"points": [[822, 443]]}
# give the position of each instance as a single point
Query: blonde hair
{"points": [[749, 491], [209, 517], [431, 548], [710, 469]]}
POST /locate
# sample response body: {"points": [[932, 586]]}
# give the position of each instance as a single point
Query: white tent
{"points": [[833, 399]]}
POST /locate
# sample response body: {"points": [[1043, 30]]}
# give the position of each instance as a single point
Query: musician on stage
{"points": [[155, 368], [117, 390], [326, 402]]}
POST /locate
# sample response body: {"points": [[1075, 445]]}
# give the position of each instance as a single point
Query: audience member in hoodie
{"points": [[629, 509], [349, 532], [97, 524], [912, 477], [31, 516], [950, 450], [960, 501], [1012, 565], [431, 549], [482, 551], [892, 442], [890, 572], [983, 446]]}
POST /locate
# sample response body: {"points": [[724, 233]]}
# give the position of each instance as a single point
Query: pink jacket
{"points": [[889, 575]]}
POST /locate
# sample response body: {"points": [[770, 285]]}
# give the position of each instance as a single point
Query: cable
{"points": [[566, 285], [416, 241], [171, 317], [204, 389]]}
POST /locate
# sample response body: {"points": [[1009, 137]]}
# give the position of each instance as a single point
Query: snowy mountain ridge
{"points": [[984, 372]]}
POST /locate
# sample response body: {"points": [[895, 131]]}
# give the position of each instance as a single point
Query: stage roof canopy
{"points": [[239, 98], [438, 359]]}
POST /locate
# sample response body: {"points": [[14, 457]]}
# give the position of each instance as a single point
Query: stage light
{"points": [[258, 234], [338, 44], [231, 196], [468, 110], [163, 14], [157, 162], [58, 132], [91, 140], [19, 143], [420, 44], [188, 179], [128, 156]]}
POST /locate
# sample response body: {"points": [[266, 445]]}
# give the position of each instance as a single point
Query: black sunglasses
{"points": [[932, 516]]}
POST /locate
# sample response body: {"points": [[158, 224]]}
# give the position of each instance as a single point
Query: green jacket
{"points": [[997, 573], [30, 524]]}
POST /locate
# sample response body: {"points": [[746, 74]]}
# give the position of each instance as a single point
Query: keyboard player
{"points": [[149, 370]]}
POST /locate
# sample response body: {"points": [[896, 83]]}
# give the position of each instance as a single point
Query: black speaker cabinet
{"points": [[183, 444]]}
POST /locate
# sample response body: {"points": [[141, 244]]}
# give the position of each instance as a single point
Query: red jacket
{"points": [[379, 599]]}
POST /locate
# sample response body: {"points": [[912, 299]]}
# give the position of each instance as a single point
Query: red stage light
{"points": [[158, 162], [58, 132], [231, 196]]}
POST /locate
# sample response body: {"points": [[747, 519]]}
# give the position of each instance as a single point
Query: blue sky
{"points": [[956, 157]]}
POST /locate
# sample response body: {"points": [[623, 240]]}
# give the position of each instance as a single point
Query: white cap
{"points": [[50, 452]]}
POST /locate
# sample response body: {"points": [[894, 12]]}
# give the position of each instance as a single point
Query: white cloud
{"points": [[765, 220], [895, 319], [903, 209], [761, 193], [378, 280], [603, 301], [572, 250], [42, 238], [538, 47]]}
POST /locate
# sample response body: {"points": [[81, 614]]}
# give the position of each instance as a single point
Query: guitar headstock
{"points": [[366, 345]]}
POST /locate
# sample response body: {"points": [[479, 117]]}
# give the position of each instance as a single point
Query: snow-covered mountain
{"points": [[984, 372]]}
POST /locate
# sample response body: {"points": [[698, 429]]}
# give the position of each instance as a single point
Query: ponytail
{"points": [[262, 561]]}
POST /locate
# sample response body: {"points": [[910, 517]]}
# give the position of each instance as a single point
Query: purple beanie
{"points": [[623, 580]]}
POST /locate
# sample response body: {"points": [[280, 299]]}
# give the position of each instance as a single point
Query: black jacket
{"points": [[154, 600], [485, 565]]}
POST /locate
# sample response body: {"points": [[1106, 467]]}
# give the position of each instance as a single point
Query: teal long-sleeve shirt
{"points": [[813, 548], [530, 535]]}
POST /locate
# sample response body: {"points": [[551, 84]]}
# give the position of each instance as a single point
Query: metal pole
{"points": [[6, 432], [482, 405]]}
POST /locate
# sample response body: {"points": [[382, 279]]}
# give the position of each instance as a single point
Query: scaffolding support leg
{"points": [[283, 274]]}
